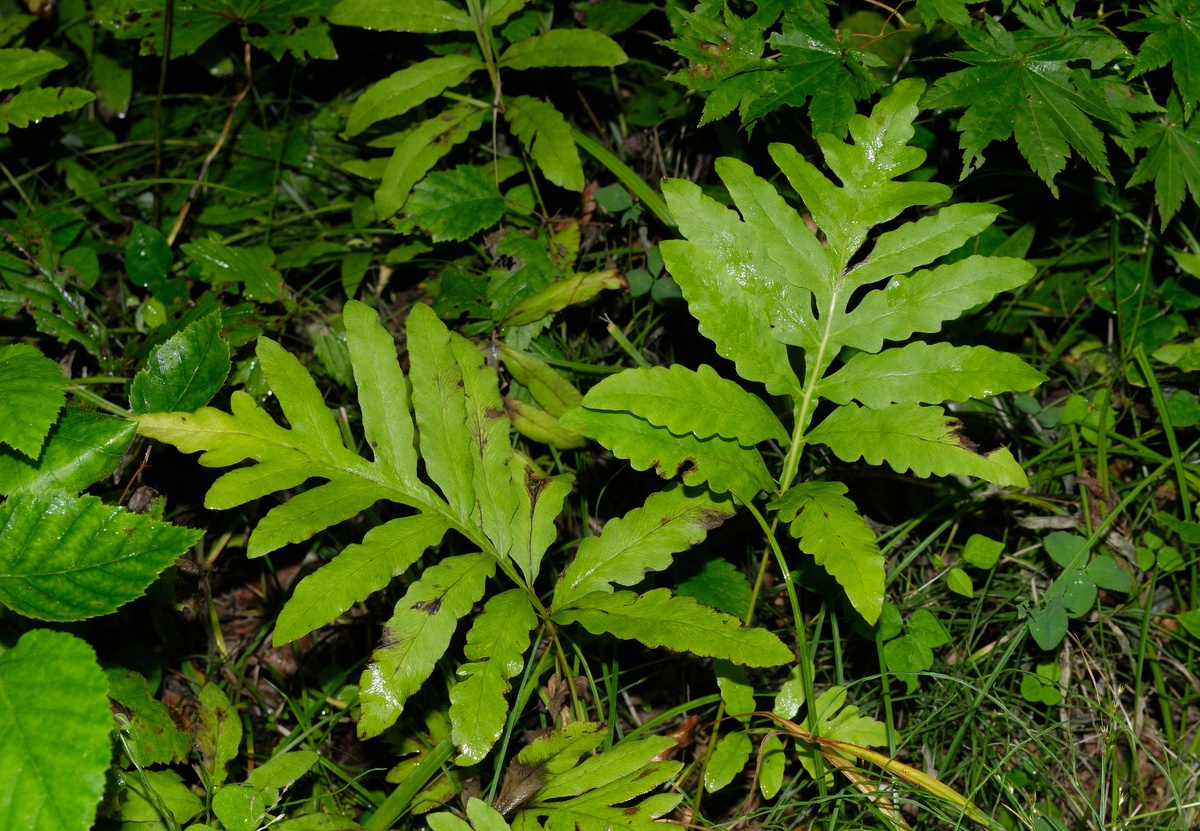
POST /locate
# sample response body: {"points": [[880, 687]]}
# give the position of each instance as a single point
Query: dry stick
{"points": [[212, 154]]}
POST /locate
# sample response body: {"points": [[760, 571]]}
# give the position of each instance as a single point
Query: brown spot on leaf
{"points": [[429, 607], [710, 518], [686, 466], [493, 412]]}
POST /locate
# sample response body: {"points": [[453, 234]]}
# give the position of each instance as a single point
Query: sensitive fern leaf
{"points": [[773, 295]]}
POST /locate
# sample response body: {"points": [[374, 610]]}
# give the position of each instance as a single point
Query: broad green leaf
{"points": [[538, 425], [923, 301], [33, 394], [428, 17], [495, 652], [959, 582], [307, 513], [1021, 82], [20, 65], [563, 293], [729, 758], [699, 402], [731, 286], [842, 723], [219, 735], [912, 437], [183, 373], [82, 448], [924, 373], [722, 464], [657, 618], [791, 695], [242, 807], [441, 409], [150, 735], [148, 256], [926, 628], [144, 793], [981, 551], [606, 768], [359, 570], [55, 726], [382, 395], [539, 502], [420, 150], [417, 636], [550, 389], [640, 542], [496, 497], [1048, 624], [563, 47], [253, 267], [282, 770], [828, 526], [456, 204], [906, 657], [32, 105], [484, 817], [736, 690], [401, 91], [1066, 549], [720, 584], [546, 137], [64, 557], [1107, 574], [771, 768], [560, 750], [920, 243], [496, 12]]}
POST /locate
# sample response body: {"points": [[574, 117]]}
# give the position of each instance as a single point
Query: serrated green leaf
{"points": [[546, 137], [562, 293], [148, 256], [361, 569], [912, 437], [1172, 158], [401, 91], [185, 372], [496, 12], [307, 513], [20, 65], [729, 758], [563, 47], [1021, 82], [699, 402], [33, 394], [495, 651], [720, 584], [732, 286], [219, 734], [64, 557], [843, 723], [774, 762], [657, 618], [640, 542], [1173, 28], [151, 736], [456, 204], [81, 449], [54, 733], [539, 502], [560, 750], [420, 150], [722, 464], [382, 395], [417, 635], [828, 526], [428, 17], [32, 105], [550, 389], [926, 373], [604, 806]]}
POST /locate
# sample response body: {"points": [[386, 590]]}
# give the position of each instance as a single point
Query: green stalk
{"points": [[398, 800], [627, 177]]}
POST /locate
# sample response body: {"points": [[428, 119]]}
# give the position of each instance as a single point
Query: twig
{"points": [[212, 154]]}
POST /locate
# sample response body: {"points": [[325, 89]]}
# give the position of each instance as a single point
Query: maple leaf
{"points": [[1172, 157], [1174, 38], [1021, 83], [814, 65]]}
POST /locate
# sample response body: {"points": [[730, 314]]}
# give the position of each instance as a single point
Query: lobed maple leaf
{"points": [[1174, 38], [1172, 157]]}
